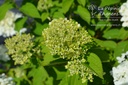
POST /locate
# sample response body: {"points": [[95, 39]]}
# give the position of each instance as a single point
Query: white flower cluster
{"points": [[7, 24], [124, 13], [120, 73], [3, 55], [4, 80]]}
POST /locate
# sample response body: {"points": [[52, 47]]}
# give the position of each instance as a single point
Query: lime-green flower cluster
{"points": [[66, 38], [44, 4], [77, 67], [69, 40], [19, 47]]}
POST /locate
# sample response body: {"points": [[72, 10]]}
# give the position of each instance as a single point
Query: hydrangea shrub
{"points": [[76, 42]]}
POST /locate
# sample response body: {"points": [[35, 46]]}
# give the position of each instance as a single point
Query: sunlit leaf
{"points": [[71, 80], [83, 13], [30, 9], [95, 64], [103, 55], [82, 2], [66, 4], [44, 16], [108, 44], [39, 28], [111, 34], [60, 74], [19, 24], [4, 8], [108, 2], [120, 48]]}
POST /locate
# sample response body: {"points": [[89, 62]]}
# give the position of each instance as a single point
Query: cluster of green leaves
{"points": [[46, 69]]}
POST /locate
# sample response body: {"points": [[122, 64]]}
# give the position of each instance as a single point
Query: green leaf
{"points": [[20, 23], [116, 34], [58, 15], [66, 4], [103, 55], [36, 71], [108, 44], [4, 8], [76, 80], [120, 48], [30, 10], [111, 34], [47, 59], [126, 48], [44, 16], [57, 3], [47, 56], [39, 75], [82, 2], [49, 81], [60, 74], [107, 13], [102, 24], [71, 80], [123, 34], [108, 2], [39, 28], [91, 32], [84, 13], [95, 64], [65, 80]]}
